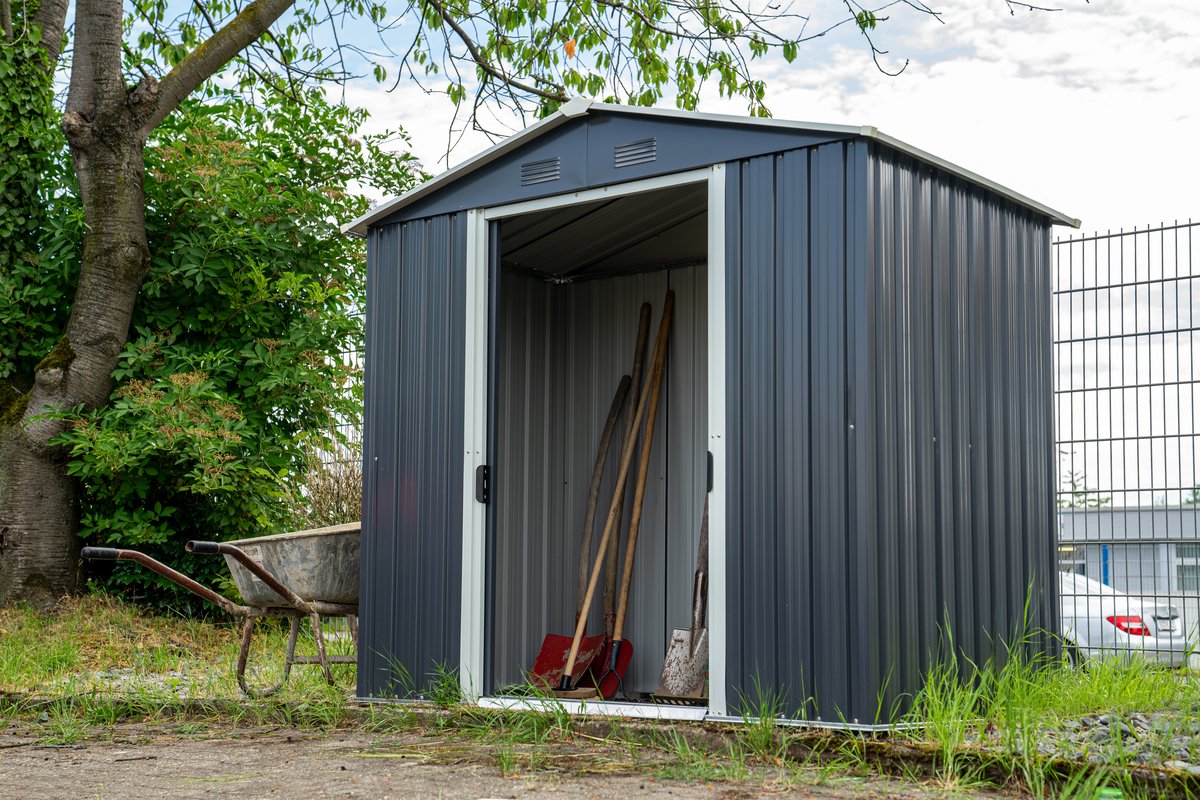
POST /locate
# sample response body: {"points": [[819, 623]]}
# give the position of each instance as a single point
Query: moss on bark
{"points": [[60, 357], [12, 405]]}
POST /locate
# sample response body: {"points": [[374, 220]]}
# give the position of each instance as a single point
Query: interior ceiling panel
{"points": [[626, 234]]}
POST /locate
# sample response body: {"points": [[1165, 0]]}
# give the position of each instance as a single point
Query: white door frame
{"points": [[475, 403]]}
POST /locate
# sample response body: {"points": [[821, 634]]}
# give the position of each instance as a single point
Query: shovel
{"points": [[685, 669], [551, 659]]}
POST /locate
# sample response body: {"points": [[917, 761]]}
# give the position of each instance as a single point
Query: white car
{"points": [[1099, 621]]}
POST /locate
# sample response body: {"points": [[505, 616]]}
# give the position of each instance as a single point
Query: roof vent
{"points": [[539, 171], [643, 151]]}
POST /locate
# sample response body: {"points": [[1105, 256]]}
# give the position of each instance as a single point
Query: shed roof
{"points": [[580, 107]]}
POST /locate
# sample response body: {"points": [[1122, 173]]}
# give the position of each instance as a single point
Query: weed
{"points": [[760, 736], [444, 688], [506, 761], [63, 726], [946, 710], [386, 718], [692, 763], [510, 726]]}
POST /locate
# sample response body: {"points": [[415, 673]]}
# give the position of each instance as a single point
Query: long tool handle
{"points": [[700, 588], [660, 352], [610, 563], [589, 516], [639, 496]]}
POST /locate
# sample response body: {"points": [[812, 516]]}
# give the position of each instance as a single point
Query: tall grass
{"points": [[1010, 703]]}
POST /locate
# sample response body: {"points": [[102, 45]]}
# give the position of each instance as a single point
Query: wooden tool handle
{"points": [[589, 516], [610, 563], [635, 519], [700, 588], [660, 352]]}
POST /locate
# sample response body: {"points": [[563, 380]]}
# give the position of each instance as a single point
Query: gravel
{"points": [[1170, 740], [176, 684]]}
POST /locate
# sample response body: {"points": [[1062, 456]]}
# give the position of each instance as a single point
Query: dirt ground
{"points": [[147, 761]]}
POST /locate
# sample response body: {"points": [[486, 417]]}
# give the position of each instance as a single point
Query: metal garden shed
{"points": [[859, 377]]}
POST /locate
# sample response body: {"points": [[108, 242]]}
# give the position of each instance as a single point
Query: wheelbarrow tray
{"points": [[320, 564]]}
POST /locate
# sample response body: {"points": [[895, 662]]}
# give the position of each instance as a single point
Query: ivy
{"points": [[31, 281]]}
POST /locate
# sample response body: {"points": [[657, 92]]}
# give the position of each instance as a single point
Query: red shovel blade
{"points": [[612, 671], [552, 659]]}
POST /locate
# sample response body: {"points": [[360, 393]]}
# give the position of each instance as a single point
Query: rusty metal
{"points": [[283, 602], [684, 675], [317, 565]]}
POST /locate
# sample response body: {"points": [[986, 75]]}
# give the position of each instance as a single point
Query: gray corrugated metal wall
{"points": [[563, 348], [890, 443], [412, 493]]}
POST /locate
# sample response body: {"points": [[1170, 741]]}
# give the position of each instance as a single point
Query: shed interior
{"points": [[572, 282]]}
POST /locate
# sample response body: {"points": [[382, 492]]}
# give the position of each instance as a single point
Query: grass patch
{"points": [[99, 644], [760, 737], [507, 726], [689, 762], [506, 760], [1015, 717]]}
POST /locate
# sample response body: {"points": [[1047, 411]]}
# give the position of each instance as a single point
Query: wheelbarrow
{"points": [[291, 576]]}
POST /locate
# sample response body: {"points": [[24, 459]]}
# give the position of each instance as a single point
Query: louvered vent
{"points": [[643, 151], [539, 171]]}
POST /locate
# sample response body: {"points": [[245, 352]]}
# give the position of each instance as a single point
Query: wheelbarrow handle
{"points": [[174, 576], [203, 548], [100, 553]]}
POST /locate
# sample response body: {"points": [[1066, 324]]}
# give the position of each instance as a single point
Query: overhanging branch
{"points": [[208, 58]]}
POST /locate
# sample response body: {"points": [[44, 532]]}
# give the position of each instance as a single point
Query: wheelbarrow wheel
{"points": [[244, 657]]}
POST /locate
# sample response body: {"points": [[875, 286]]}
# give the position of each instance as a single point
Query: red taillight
{"points": [[1131, 625]]}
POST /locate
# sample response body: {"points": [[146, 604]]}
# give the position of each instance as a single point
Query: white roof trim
{"points": [[1058, 217], [579, 106]]}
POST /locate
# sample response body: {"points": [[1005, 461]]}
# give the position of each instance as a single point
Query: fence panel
{"points": [[1126, 329]]}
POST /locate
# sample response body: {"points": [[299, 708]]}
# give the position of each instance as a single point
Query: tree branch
{"points": [[51, 17], [6, 24], [97, 85], [200, 64], [486, 65]]}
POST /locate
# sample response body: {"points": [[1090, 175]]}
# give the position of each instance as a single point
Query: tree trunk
{"points": [[39, 506]]}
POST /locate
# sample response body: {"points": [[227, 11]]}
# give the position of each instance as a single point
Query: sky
{"points": [[1093, 110]]}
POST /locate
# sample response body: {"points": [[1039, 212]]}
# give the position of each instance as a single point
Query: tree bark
{"points": [[39, 508], [106, 125]]}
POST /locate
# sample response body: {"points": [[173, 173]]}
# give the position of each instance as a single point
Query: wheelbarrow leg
{"points": [[315, 618], [244, 657], [352, 623], [293, 633]]}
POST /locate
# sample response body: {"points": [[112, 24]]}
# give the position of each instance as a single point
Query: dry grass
{"points": [[329, 492]]}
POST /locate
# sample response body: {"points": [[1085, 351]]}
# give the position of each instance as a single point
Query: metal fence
{"points": [[348, 431], [1126, 323]]}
